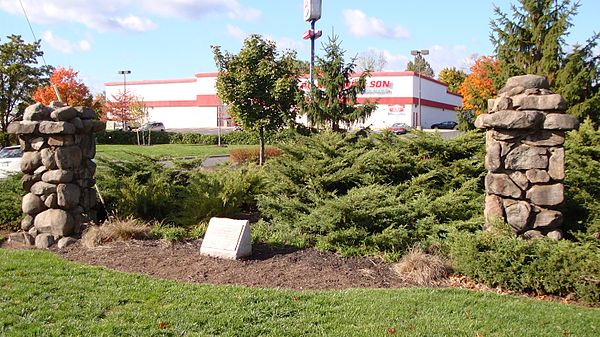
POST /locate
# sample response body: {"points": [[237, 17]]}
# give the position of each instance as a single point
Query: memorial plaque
{"points": [[227, 238]]}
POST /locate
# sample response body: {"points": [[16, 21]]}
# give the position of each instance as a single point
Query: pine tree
{"points": [[578, 81], [531, 41], [420, 65], [334, 100]]}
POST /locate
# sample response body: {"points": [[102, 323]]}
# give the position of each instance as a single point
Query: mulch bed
{"points": [[268, 267]]}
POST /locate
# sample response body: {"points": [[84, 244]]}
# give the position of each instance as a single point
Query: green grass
{"points": [[42, 294], [123, 152]]}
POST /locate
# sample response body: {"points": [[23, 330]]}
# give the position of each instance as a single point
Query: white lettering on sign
{"points": [[227, 238]]}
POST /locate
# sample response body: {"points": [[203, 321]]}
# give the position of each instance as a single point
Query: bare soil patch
{"points": [[268, 267]]}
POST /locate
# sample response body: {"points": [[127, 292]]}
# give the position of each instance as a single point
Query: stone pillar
{"points": [[58, 147], [525, 132]]}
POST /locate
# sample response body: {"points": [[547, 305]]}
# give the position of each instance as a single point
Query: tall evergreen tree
{"points": [[578, 81], [420, 65], [530, 40], [334, 100]]}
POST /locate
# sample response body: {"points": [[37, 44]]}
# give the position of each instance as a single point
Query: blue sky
{"points": [[165, 39]]}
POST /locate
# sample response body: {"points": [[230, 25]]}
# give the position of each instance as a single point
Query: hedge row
{"points": [[119, 137], [541, 265]]}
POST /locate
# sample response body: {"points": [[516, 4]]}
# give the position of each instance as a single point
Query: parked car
{"points": [[10, 161], [152, 126], [444, 125], [399, 128]]}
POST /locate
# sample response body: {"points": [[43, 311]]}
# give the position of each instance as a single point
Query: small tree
{"points": [[118, 108], [480, 85], [420, 65], [371, 60], [71, 89], [19, 76], [334, 100], [259, 86], [139, 114], [452, 77]]}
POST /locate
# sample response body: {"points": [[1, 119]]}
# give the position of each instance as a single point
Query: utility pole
{"points": [[124, 73]]}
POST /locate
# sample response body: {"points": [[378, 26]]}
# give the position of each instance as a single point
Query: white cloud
{"points": [[64, 45], [457, 56], [103, 15], [439, 57], [289, 43], [129, 15], [361, 25], [136, 23], [194, 9], [236, 32]]}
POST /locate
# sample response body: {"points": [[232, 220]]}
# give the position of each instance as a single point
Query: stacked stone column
{"points": [[525, 132], [58, 147]]}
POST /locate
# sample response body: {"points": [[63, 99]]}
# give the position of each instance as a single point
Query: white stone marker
{"points": [[227, 238]]}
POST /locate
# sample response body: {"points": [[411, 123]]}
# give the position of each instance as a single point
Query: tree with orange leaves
{"points": [[480, 85], [71, 89]]}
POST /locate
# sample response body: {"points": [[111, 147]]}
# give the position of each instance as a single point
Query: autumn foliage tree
{"points": [[118, 108], [481, 84], [71, 89]]}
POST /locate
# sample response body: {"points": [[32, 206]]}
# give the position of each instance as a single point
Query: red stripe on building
{"points": [[406, 100], [170, 104], [208, 100], [207, 74], [213, 101]]}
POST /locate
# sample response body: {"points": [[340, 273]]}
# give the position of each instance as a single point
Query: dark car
{"points": [[152, 126], [399, 128], [445, 125]]}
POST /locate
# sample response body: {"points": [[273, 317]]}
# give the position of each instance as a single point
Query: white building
{"points": [[193, 102]]}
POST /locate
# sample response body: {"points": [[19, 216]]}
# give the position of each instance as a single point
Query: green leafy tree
{"points": [[530, 40], [334, 100], [19, 77], [421, 66], [452, 77], [258, 85]]}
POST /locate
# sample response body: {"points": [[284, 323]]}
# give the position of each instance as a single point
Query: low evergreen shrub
{"points": [[372, 194], [145, 189], [11, 194], [168, 232], [540, 265]]}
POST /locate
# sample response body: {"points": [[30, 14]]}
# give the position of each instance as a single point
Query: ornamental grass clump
{"points": [[115, 230], [423, 269]]}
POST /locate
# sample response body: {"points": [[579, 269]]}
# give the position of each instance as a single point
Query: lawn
{"points": [[42, 294], [122, 152]]}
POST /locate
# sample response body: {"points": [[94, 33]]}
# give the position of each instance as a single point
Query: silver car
{"points": [[10, 161]]}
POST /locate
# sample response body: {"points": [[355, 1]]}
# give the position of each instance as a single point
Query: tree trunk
{"points": [[261, 159]]}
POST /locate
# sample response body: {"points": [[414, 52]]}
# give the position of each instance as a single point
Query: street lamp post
{"points": [[312, 13], [417, 53], [124, 73]]}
